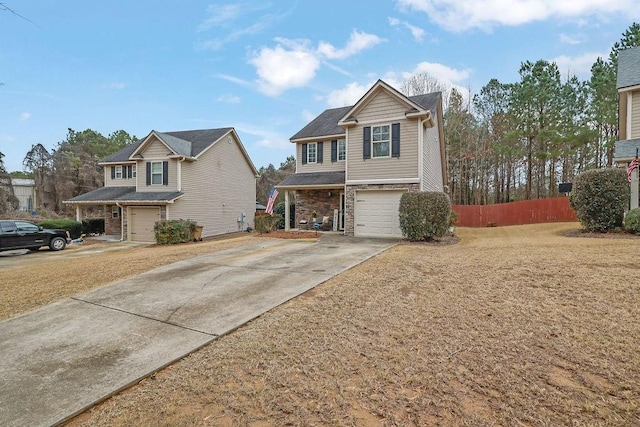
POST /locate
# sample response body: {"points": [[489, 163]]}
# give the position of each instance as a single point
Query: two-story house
{"points": [[628, 85], [201, 175], [354, 163]]}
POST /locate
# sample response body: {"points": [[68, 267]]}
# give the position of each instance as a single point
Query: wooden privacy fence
{"points": [[538, 211]]}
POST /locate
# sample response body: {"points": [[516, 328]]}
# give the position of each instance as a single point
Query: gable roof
{"points": [[186, 143], [628, 68], [124, 195], [326, 124]]}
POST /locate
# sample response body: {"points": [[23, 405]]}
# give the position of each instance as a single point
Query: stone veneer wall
{"points": [[307, 201], [350, 200], [111, 225]]}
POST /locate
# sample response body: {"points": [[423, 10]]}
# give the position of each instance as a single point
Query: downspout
{"points": [[121, 221], [180, 160]]}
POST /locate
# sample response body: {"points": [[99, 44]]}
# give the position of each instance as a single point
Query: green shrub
{"points": [[73, 227], [632, 221], [599, 198], [424, 215], [266, 223], [174, 231], [279, 210], [93, 225]]}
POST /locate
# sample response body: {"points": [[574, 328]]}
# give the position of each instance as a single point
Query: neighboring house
{"points": [[354, 163], [628, 85], [25, 190], [201, 175]]}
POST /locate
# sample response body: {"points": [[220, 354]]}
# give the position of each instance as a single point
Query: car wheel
{"points": [[57, 244]]}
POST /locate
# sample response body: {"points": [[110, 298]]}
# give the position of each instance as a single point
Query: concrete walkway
{"points": [[59, 360]]}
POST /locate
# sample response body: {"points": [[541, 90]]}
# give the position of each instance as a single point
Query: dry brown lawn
{"points": [[512, 326]]}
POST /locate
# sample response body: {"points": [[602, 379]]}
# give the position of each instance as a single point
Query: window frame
{"points": [[315, 152], [115, 212], [342, 154], [118, 172], [158, 174], [134, 171], [381, 141]]}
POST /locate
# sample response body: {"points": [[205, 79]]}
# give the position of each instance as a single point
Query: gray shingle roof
{"points": [[313, 178], [327, 122], [124, 195], [187, 143], [628, 68], [626, 149]]}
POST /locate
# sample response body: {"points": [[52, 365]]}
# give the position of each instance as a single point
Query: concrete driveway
{"points": [[59, 360]]}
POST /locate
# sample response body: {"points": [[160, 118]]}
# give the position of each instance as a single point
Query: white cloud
{"points": [[229, 99], [25, 116], [235, 80], [348, 95], [266, 138], [221, 15], [459, 15], [577, 65], [441, 72], [358, 41], [417, 32], [308, 115], [280, 69], [572, 38]]}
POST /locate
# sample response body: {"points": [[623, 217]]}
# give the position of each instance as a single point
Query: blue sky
{"points": [[264, 67]]}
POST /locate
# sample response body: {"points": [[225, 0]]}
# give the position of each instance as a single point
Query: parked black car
{"points": [[15, 234]]}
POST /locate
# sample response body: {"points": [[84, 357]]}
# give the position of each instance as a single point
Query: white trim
{"points": [[390, 119], [146, 141], [388, 141], [629, 113], [421, 154], [151, 183], [346, 162], [309, 144], [317, 138], [115, 172], [628, 88], [338, 150], [383, 181]]}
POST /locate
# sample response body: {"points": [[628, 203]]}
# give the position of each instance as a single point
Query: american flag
{"points": [[633, 165], [273, 193]]}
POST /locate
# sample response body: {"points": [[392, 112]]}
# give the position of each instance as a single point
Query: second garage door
{"points": [[141, 223], [376, 213]]}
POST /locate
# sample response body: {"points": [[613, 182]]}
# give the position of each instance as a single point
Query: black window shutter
{"points": [[395, 140], [366, 143], [304, 154], [319, 159], [113, 172], [165, 173], [334, 150], [148, 173]]}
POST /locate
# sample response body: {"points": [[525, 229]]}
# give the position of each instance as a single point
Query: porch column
{"points": [[78, 213], [287, 215], [634, 189]]}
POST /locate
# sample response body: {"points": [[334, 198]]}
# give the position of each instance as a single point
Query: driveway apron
{"points": [[57, 361]]}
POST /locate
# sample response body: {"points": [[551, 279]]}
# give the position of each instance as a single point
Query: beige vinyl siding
{"points": [[381, 107], [154, 149], [118, 182], [635, 115], [326, 166], [432, 169], [218, 188], [405, 166]]}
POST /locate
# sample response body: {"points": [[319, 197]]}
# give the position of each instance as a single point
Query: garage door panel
{"points": [[141, 223], [376, 213]]}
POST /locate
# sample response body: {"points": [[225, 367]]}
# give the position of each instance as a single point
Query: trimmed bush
{"points": [[599, 198], [73, 227], [93, 225], [266, 223], [174, 231], [279, 210], [424, 215], [632, 221]]}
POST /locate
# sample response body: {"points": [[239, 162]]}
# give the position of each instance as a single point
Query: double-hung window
{"points": [[118, 173], [342, 150], [381, 141], [156, 173], [312, 152], [134, 170]]}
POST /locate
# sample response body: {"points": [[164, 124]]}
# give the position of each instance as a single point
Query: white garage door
{"points": [[141, 223], [376, 213]]}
